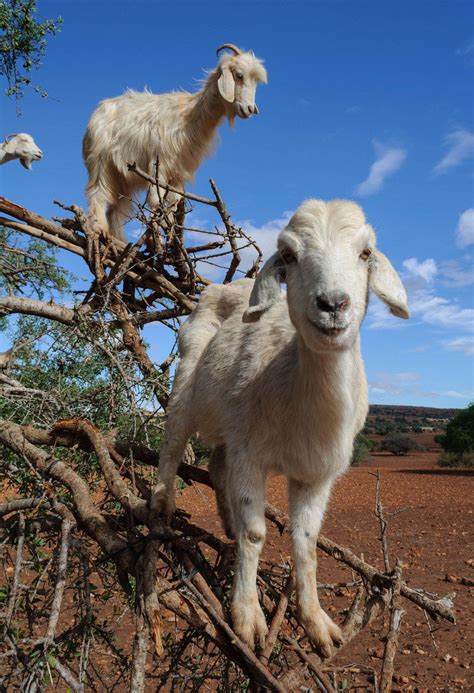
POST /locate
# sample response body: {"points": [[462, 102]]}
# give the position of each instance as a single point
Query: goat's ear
{"points": [[387, 285], [266, 289], [9, 146], [226, 84]]}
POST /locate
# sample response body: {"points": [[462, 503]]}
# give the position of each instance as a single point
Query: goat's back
{"points": [[218, 302]]}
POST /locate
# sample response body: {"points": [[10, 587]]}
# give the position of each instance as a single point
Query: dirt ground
{"points": [[431, 533]]}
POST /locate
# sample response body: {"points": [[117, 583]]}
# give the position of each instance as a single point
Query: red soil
{"points": [[432, 534]]}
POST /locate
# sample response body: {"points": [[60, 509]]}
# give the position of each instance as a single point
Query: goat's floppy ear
{"points": [[9, 146], [387, 285], [266, 289], [226, 84]]}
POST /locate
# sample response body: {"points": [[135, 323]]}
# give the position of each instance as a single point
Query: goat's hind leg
{"points": [[163, 499], [118, 215], [218, 473]]}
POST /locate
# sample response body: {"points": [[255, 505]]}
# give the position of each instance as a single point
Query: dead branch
{"points": [[396, 613]]}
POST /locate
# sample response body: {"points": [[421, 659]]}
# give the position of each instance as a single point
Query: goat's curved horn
{"points": [[9, 137], [231, 47]]}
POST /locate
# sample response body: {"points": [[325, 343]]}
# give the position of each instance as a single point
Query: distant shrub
{"points": [[457, 459], [363, 446], [459, 436], [400, 444]]}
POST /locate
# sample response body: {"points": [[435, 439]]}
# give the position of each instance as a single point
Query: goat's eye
{"points": [[365, 254], [239, 75], [287, 256]]}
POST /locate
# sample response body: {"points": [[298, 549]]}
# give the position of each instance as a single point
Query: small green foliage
{"points": [[29, 267], [400, 445], [457, 459], [22, 44], [363, 446], [459, 436]]}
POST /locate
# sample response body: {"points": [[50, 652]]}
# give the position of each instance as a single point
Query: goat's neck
{"points": [[205, 112], [4, 157], [329, 380]]}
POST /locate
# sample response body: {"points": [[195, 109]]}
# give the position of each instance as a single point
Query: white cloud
{"points": [[467, 395], [464, 344], [440, 311], [393, 383], [453, 274], [461, 147], [265, 236], [424, 301], [406, 383], [388, 160], [465, 228], [426, 270]]}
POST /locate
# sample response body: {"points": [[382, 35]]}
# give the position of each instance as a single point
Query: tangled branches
{"points": [[96, 595]]}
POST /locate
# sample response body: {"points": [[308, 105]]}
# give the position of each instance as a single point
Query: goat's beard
{"points": [[231, 117], [26, 163]]}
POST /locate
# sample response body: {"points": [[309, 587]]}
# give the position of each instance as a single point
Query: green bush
{"points": [[457, 459], [363, 446], [459, 436], [400, 444]]}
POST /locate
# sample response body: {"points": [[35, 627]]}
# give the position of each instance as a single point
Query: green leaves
{"points": [[22, 44]]}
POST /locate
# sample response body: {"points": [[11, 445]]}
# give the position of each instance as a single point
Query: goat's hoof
{"points": [[162, 503], [323, 633], [250, 624]]}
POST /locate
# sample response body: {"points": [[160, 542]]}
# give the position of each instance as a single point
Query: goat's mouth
{"points": [[242, 113], [332, 331], [26, 162]]}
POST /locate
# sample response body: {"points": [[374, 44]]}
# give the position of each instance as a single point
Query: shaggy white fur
{"points": [[276, 384], [177, 128]]}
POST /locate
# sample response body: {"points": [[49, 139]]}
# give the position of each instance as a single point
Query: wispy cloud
{"points": [[461, 147], [466, 49], [464, 344], [465, 228], [393, 383], [266, 235], [419, 278], [468, 395], [388, 160], [405, 383], [426, 270], [453, 273]]}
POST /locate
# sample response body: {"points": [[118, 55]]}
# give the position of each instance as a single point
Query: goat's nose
{"points": [[333, 302]]}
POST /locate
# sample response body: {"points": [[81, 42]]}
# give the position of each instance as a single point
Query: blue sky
{"points": [[366, 100]]}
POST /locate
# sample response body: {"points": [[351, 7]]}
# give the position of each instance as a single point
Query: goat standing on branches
{"points": [[286, 394], [177, 128]]}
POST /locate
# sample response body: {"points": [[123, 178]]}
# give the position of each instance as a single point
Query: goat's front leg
{"points": [[246, 494], [307, 506]]}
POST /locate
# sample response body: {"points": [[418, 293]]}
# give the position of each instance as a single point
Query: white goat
{"points": [[286, 395], [20, 146], [177, 128]]}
